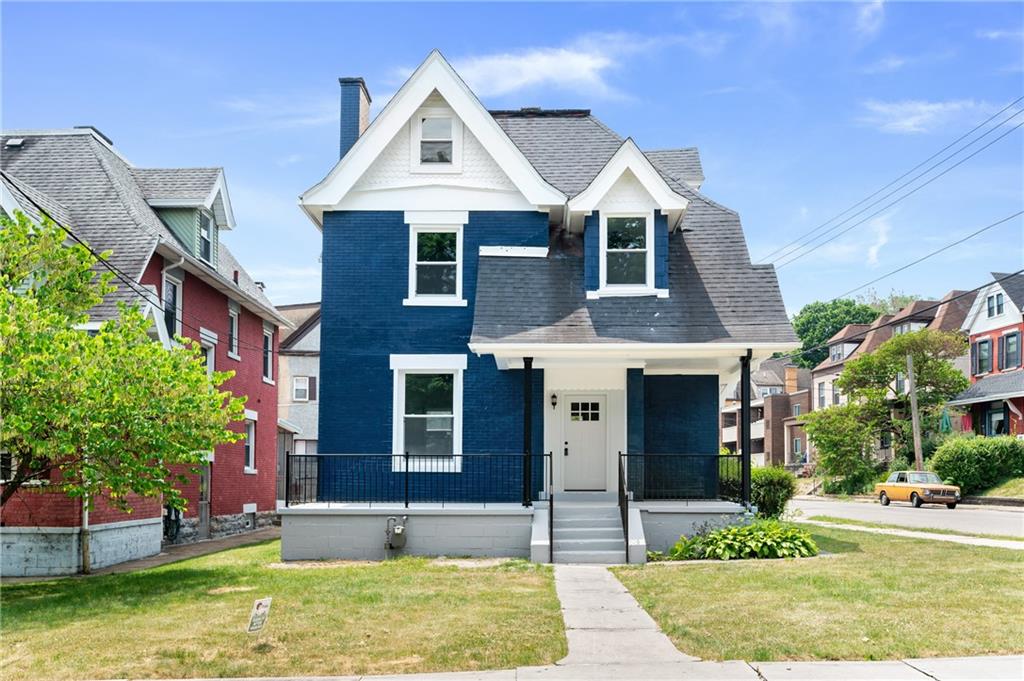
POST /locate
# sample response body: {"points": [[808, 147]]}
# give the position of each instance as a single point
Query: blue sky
{"points": [[799, 110]]}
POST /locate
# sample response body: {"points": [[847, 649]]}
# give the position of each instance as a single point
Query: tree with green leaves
{"points": [[818, 321], [843, 438], [107, 413], [890, 304]]}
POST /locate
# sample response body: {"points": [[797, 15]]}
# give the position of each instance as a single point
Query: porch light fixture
{"points": [[554, 400]]}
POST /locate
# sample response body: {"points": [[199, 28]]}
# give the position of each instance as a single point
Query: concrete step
{"points": [[590, 544], [609, 532], [598, 557], [586, 512], [577, 523]]}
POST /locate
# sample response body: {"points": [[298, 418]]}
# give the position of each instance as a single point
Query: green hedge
{"points": [[771, 489], [977, 463]]}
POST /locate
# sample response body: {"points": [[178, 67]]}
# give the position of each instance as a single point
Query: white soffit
{"points": [[628, 157]]}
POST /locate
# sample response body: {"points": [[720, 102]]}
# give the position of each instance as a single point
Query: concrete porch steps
{"points": [[588, 532]]}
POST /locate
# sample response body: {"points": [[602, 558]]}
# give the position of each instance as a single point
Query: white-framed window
{"points": [[209, 354], [627, 252], [436, 139], [821, 395], [305, 447], [836, 353], [250, 444], [205, 246], [798, 446], [268, 355], [771, 390], [796, 410], [427, 412], [994, 305], [300, 388], [172, 300], [435, 265], [233, 333]]}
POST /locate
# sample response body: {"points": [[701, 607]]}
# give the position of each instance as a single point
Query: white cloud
{"points": [[870, 17], [896, 62], [1000, 34], [881, 227], [914, 116]]}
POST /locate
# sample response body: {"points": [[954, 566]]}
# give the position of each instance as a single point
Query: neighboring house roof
{"points": [[869, 337], [952, 311], [308, 323], [296, 313], [99, 198], [1013, 286], [918, 311], [851, 333], [879, 332], [995, 387], [176, 183]]}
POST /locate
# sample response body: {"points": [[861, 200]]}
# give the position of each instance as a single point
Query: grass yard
{"points": [[188, 619], [1011, 487], [877, 597], [891, 526]]}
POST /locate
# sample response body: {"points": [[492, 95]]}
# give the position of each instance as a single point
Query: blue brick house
{"points": [[527, 327]]}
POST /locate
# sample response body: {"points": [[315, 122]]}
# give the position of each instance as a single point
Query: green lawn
{"points": [[187, 619], [1011, 487], [876, 597], [891, 526]]}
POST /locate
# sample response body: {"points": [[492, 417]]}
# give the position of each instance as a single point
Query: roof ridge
{"points": [[601, 124]]}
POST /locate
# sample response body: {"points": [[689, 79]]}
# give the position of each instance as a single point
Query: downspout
{"points": [[171, 266]]}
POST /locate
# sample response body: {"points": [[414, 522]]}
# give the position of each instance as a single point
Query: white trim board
{"points": [[514, 251]]}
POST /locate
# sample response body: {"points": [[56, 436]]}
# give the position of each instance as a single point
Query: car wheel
{"points": [[916, 500], [883, 499], [951, 506]]}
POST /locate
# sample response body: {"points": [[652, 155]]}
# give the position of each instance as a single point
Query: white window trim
{"points": [[211, 221], [250, 423], [606, 290], [416, 136], [211, 359], [233, 347], [179, 302], [268, 333], [401, 365], [436, 300], [295, 386]]}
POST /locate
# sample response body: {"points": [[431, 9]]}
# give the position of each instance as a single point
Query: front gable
{"points": [[978, 321], [491, 172]]}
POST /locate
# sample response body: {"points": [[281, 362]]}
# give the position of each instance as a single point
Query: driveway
{"points": [[973, 519]]}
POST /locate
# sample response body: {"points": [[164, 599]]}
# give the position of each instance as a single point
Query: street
{"points": [[973, 519]]}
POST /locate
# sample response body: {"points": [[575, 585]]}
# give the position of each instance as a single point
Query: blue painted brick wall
{"points": [[349, 131], [363, 321], [591, 251], [681, 417]]}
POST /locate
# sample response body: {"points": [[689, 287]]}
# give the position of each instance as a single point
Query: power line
{"points": [[933, 253], [881, 189], [897, 200]]}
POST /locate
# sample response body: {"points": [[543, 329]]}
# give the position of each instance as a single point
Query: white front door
{"points": [[586, 444]]}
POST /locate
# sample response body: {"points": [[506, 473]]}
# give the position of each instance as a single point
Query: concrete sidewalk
{"points": [[918, 534]]}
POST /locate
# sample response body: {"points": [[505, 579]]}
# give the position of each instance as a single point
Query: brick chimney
{"points": [[792, 385], [355, 111]]}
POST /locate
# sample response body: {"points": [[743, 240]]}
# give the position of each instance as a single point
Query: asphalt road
{"points": [[975, 519]]}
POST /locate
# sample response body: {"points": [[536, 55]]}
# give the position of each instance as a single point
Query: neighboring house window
{"points": [[233, 333], [982, 357], [901, 383], [268, 355], [837, 353], [172, 305], [305, 447], [773, 390], [995, 305], [821, 395], [999, 303], [435, 266], [205, 238], [300, 388], [250, 445], [208, 358], [905, 327], [796, 410], [798, 448], [995, 422], [626, 251], [427, 422], [835, 394], [1009, 351]]}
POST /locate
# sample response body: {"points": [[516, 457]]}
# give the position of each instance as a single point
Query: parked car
{"points": [[917, 487]]}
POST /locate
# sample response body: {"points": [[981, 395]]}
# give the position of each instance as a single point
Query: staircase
{"points": [[588, 532]]}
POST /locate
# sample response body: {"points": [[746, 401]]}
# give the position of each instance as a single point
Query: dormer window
{"points": [[436, 138], [206, 237], [627, 255], [837, 353], [436, 144], [995, 305]]}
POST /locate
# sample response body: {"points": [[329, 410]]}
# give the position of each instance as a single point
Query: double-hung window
{"points": [[836, 353], [435, 266], [268, 355], [983, 357], [206, 237], [172, 305], [233, 333], [994, 305], [836, 395], [250, 446], [1009, 351], [300, 388], [436, 139], [821, 395], [427, 419], [626, 251]]}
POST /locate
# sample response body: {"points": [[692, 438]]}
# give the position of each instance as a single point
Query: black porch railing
{"points": [[624, 503], [683, 477], [411, 479]]}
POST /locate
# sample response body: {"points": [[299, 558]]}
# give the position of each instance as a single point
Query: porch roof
{"points": [[996, 387]]}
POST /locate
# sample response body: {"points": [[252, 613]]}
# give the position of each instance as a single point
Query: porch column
{"points": [[744, 425], [527, 429]]}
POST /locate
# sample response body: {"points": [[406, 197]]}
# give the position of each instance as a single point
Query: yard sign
{"points": [[259, 614]]}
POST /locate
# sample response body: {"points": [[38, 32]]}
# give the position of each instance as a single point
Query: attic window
{"points": [[205, 238], [436, 140]]}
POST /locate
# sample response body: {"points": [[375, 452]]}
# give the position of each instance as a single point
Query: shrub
{"points": [[771, 489], [977, 463], [760, 539]]}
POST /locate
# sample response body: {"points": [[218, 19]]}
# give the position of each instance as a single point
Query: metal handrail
{"points": [[624, 504], [551, 507], [683, 476]]}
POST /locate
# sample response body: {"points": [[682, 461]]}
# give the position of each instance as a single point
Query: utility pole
{"points": [[915, 419]]}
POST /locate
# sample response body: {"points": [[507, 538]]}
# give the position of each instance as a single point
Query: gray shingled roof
{"points": [[104, 205], [35, 203], [176, 183], [1014, 287], [570, 149], [997, 386]]}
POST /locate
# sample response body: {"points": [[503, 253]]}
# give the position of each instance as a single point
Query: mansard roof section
{"points": [[187, 188], [434, 74], [628, 157]]}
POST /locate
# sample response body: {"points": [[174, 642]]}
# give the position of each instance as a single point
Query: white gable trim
{"points": [[435, 73], [223, 213], [628, 157]]}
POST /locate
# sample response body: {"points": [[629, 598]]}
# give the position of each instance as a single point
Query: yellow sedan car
{"points": [[917, 487]]}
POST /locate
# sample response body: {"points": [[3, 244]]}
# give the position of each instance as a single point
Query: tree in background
{"points": [[843, 438], [890, 304], [104, 413], [871, 381], [818, 321]]}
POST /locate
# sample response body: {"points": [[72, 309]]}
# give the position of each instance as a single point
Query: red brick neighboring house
{"points": [[995, 400], [162, 226]]}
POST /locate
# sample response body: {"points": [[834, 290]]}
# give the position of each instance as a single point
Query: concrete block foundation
{"points": [[53, 551]]}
